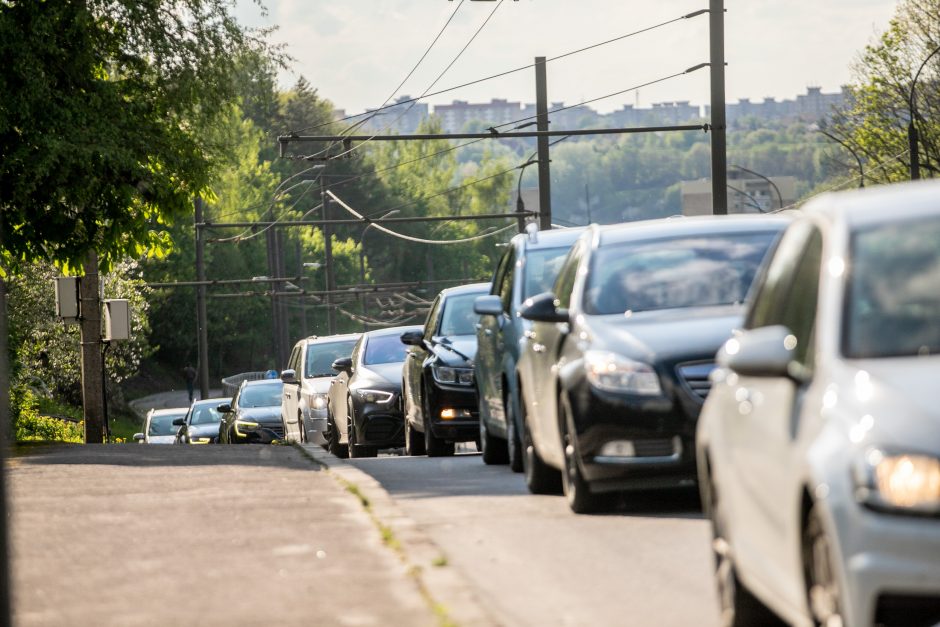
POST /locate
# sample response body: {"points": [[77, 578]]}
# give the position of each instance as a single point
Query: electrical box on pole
{"points": [[117, 320], [66, 299]]}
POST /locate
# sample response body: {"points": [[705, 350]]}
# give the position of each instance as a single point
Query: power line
{"points": [[508, 72]]}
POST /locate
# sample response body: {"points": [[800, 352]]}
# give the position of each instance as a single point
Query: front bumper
{"points": [[660, 432], [315, 425], [264, 434], [465, 425]]}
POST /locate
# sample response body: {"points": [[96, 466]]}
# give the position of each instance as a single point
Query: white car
{"points": [[818, 448], [306, 383], [159, 427]]}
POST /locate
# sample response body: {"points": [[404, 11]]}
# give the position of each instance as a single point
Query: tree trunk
{"points": [[92, 391]]}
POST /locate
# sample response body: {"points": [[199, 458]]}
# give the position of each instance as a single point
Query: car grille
{"points": [[277, 431], [383, 428], [695, 377], [655, 448]]}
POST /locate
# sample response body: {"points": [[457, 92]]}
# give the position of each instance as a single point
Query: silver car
{"points": [[159, 427], [818, 448]]}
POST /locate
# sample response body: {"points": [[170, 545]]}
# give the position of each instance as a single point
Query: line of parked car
{"points": [[782, 364]]}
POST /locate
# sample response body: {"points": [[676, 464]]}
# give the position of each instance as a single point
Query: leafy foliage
{"points": [[31, 425]]}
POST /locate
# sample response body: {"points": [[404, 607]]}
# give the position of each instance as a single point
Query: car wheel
{"points": [[414, 440], [493, 448], [825, 601], [433, 445], [739, 608], [513, 444], [357, 450], [576, 489], [333, 437], [303, 428], [540, 478]]}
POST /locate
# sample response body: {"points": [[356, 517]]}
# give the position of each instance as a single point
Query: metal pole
{"points": [[272, 273], [92, 396], [283, 322], [300, 270], [914, 149], [202, 331], [545, 181], [6, 436], [716, 26], [328, 259]]}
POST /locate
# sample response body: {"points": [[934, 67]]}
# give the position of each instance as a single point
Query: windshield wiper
{"points": [[445, 342]]}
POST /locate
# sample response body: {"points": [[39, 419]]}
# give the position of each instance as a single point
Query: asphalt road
{"points": [[537, 563]]}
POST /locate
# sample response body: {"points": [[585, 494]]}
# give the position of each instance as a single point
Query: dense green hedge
{"points": [[29, 425]]}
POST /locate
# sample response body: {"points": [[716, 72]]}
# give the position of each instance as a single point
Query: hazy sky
{"points": [[355, 52]]}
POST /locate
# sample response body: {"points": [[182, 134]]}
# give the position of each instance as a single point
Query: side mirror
{"points": [[489, 305], [139, 437], [542, 308], [763, 352], [289, 376], [225, 408], [413, 338], [343, 364], [179, 422]]}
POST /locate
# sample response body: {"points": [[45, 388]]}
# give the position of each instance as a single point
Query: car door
{"points": [[226, 431], [544, 348], [339, 389], [291, 396], [490, 343], [762, 428], [413, 370]]}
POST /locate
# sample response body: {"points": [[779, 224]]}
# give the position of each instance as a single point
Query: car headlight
{"points": [[452, 376], [907, 482], [615, 373], [375, 396], [318, 401], [243, 427]]}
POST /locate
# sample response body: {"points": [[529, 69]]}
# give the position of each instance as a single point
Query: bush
{"points": [[29, 425]]}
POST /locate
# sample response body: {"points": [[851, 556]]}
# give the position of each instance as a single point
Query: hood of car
{"points": [[161, 439], [203, 431], [261, 414], [667, 335], [384, 374], [890, 402], [464, 345]]}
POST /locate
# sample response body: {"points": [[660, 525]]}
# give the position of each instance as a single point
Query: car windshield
{"points": [[206, 415], [320, 357], [163, 424], [674, 273], [268, 395], [892, 302], [541, 270], [386, 349], [458, 317]]}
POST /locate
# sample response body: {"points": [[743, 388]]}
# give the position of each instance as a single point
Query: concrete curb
{"points": [[451, 594]]}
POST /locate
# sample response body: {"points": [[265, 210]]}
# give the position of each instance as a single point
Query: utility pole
{"points": [[272, 274], [92, 379], [298, 252], [716, 29], [202, 333], [283, 327], [328, 258], [545, 180]]}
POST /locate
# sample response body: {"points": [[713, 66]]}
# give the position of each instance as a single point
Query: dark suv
{"points": [[440, 398], [528, 267]]}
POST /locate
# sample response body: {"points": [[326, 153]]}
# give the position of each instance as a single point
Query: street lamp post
{"points": [[912, 138], [761, 176], [861, 172]]}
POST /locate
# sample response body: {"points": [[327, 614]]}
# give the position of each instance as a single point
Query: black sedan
{"points": [[616, 367], [201, 423], [439, 392], [254, 415], [364, 401]]}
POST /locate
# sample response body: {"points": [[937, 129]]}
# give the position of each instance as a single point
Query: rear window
{"points": [[674, 273]]}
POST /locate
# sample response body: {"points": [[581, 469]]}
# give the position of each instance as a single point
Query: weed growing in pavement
{"points": [[439, 561]]}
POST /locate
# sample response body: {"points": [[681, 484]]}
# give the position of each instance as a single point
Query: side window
{"points": [[800, 313], [505, 286], [564, 284], [501, 268], [431, 322], [294, 362], [771, 297], [357, 351]]}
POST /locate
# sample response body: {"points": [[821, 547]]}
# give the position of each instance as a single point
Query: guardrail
{"points": [[230, 384]]}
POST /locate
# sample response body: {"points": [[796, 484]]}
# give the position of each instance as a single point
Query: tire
{"points": [[576, 489], [434, 446], [333, 437], [513, 443], [357, 450], [739, 608], [302, 428], [493, 448], [822, 588], [540, 478], [414, 440]]}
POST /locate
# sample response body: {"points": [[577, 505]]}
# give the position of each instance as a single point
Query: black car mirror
{"points": [[225, 408], [289, 376], [542, 308], [343, 364], [762, 352], [489, 305], [179, 422], [413, 338]]}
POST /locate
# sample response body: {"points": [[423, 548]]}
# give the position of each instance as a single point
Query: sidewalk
{"points": [[184, 535]]}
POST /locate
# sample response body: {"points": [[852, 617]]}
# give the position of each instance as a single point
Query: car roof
{"points": [[392, 331], [878, 205], [259, 382], [212, 401], [168, 411], [314, 339], [555, 238], [473, 288], [688, 226]]}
